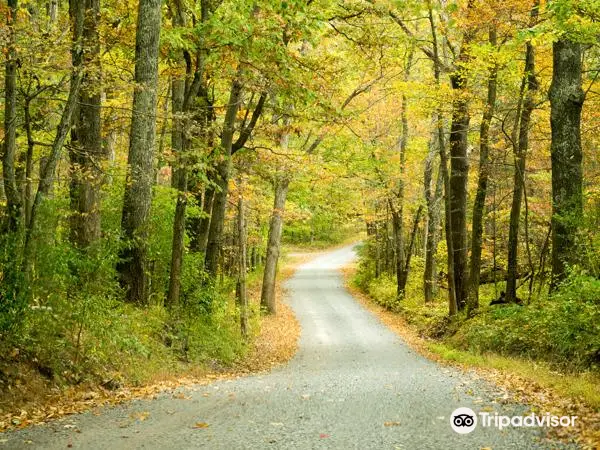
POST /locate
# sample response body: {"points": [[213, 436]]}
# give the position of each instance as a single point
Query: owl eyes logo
{"points": [[463, 420]]}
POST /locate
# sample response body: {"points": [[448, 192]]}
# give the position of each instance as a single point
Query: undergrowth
{"points": [[562, 328]]}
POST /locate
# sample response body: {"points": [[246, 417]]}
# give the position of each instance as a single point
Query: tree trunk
{"points": [[179, 182], [482, 181], [133, 267], [215, 232], [86, 152], [200, 237], [566, 102], [267, 297], [48, 167], [398, 210], [242, 295], [402, 274], [432, 200], [530, 86], [13, 196], [459, 171], [452, 296]]}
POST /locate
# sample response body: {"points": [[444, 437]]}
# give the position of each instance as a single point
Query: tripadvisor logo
{"points": [[464, 420]]}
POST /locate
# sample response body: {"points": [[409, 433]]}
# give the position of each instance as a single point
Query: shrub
{"points": [[563, 329]]}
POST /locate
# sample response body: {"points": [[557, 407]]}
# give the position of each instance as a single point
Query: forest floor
{"points": [[353, 383], [275, 343], [524, 382]]}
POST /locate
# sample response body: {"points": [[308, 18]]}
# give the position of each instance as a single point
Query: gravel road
{"points": [[352, 384]]}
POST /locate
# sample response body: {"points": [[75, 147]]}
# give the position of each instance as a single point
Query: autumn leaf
{"points": [[201, 425], [391, 424]]}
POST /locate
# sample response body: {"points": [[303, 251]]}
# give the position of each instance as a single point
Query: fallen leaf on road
{"points": [[181, 396], [323, 435], [391, 424], [141, 416], [201, 425]]}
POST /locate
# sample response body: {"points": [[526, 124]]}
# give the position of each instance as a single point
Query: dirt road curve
{"points": [[352, 384]]}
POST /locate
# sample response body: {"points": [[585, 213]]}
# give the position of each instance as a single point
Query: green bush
{"points": [[563, 329], [69, 320]]}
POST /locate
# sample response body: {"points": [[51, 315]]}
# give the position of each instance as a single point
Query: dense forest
{"points": [[155, 155]]}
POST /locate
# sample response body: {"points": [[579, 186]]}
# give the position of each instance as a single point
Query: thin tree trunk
{"points": [[433, 220], [530, 86], [403, 275], [482, 181], [215, 232], [200, 237], [179, 182], [28, 164], [13, 196], [566, 102], [452, 295], [133, 267], [398, 210], [86, 152], [48, 168], [242, 295], [267, 297]]}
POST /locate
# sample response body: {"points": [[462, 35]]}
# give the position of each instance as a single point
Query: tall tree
{"points": [[566, 102], [521, 146], [482, 179], [227, 149], [138, 188], [459, 170], [241, 291], [86, 151], [223, 169], [13, 196]]}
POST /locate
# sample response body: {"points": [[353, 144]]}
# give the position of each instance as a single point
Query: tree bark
{"points": [[200, 240], [397, 211], [179, 182], [133, 268], [267, 297], [566, 102], [432, 200], [482, 181], [86, 152], [452, 295], [459, 171], [242, 295], [530, 87], [215, 232], [13, 197]]}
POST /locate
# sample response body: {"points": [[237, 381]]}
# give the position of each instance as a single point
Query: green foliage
{"points": [[563, 329], [383, 288], [69, 320]]}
